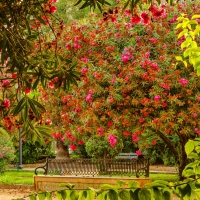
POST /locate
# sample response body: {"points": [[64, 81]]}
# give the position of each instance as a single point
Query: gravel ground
{"points": [[9, 194]]}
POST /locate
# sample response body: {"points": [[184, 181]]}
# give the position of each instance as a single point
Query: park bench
{"points": [[81, 166], [91, 172]]}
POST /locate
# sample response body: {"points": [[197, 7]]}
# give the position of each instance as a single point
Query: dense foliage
{"points": [[131, 85]]}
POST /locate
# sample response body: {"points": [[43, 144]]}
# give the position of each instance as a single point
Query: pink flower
{"points": [[195, 115], [125, 58], [135, 139], [183, 81], [100, 131], [112, 140], [78, 110], [5, 83], [198, 98], [68, 46], [84, 70], [111, 100], [89, 98], [196, 129], [147, 54], [6, 103], [48, 122], [73, 147], [138, 152], [142, 120], [157, 98], [85, 60], [165, 86]]}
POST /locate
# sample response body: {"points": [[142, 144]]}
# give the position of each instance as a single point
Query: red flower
{"points": [[135, 19], [80, 142], [110, 123], [153, 142], [73, 147], [126, 133], [158, 13], [145, 18], [53, 9], [142, 120]]}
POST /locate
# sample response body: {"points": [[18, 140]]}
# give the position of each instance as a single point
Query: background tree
{"points": [[131, 84]]}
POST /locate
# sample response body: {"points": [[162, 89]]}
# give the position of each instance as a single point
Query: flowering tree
{"points": [[131, 84], [29, 58]]}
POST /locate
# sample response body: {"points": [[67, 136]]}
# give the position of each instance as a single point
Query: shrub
{"points": [[31, 153], [100, 148], [6, 150]]}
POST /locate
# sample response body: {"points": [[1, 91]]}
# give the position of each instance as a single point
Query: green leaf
{"points": [[179, 58], [133, 184], [32, 197], [193, 156], [102, 195], [82, 195], [120, 183], [195, 16], [112, 195], [189, 147], [134, 194], [124, 194], [58, 195], [19, 107], [109, 187], [144, 194], [74, 195], [90, 194], [188, 173], [49, 195], [25, 112], [78, 2], [166, 195], [41, 196], [38, 105], [33, 108], [156, 193]]}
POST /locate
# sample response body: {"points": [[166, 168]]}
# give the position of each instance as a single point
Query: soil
{"points": [[8, 194]]}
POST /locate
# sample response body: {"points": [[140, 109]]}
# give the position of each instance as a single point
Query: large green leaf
{"points": [[189, 147], [144, 194], [124, 194]]}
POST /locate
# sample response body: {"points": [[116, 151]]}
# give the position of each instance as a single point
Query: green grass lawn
{"points": [[26, 177]]}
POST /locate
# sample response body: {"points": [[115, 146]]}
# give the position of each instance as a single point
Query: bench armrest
{"points": [[44, 167]]}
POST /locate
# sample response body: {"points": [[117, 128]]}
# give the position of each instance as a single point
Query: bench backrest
{"points": [[80, 166]]}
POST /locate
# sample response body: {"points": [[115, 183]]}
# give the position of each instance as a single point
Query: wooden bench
{"points": [[91, 173], [121, 166]]}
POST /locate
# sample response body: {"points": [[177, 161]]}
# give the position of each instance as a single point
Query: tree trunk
{"points": [[183, 156], [62, 150]]}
